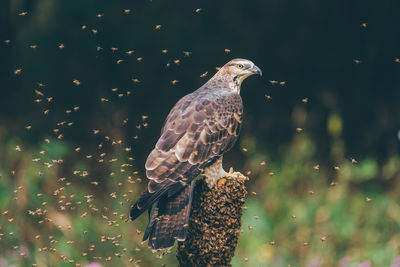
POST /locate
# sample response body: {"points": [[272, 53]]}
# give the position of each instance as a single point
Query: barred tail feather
{"points": [[169, 219], [148, 198]]}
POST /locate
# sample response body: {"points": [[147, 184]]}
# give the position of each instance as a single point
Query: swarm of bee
{"points": [[214, 223]]}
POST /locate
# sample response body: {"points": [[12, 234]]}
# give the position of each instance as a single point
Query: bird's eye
{"points": [[239, 66]]}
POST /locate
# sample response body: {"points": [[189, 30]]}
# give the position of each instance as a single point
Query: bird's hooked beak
{"points": [[256, 70]]}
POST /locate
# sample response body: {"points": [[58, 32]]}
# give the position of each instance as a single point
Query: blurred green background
{"points": [[85, 86]]}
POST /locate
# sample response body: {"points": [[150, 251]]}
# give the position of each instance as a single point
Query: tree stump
{"points": [[214, 223]]}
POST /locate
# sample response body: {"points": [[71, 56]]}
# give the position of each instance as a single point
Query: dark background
{"points": [[309, 44]]}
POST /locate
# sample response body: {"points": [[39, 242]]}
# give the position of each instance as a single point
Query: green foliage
{"points": [[302, 214], [296, 213]]}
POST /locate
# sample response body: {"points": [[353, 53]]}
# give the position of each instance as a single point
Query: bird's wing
{"points": [[198, 130]]}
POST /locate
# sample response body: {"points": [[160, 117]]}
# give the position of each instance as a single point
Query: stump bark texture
{"points": [[214, 223]]}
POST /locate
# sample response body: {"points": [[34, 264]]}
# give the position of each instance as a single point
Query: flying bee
{"points": [[204, 74], [174, 82], [61, 46], [397, 60], [130, 52], [127, 11], [164, 51], [158, 27], [336, 168], [17, 71], [227, 50], [198, 10], [76, 82], [39, 93], [187, 53]]}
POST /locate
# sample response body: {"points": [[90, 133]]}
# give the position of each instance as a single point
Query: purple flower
{"points": [[345, 262], [316, 262], [396, 262], [364, 264], [93, 264]]}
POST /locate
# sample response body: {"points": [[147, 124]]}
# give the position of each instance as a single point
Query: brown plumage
{"points": [[199, 129]]}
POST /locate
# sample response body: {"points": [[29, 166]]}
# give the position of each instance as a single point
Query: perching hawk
{"points": [[199, 129]]}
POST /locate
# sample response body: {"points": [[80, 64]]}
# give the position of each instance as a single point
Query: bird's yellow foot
{"points": [[221, 181]]}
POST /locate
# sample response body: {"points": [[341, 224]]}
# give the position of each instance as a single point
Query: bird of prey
{"points": [[199, 129]]}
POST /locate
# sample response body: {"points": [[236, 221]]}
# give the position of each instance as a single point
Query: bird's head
{"points": [[239, 69]]}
